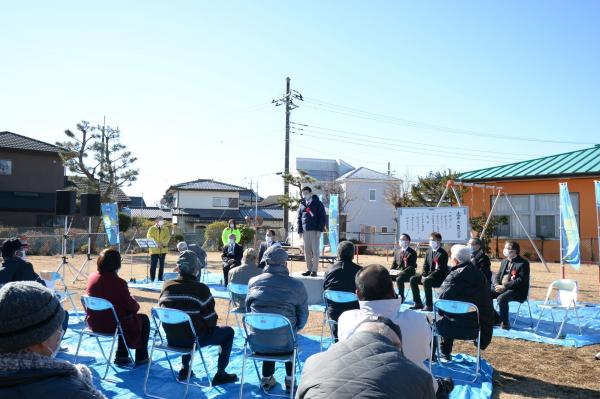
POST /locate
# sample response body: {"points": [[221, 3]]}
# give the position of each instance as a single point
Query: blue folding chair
{"points": [[269, 337], [174, 317], [170, 276], [442, 306], [95, 304], [333, 297], [236, 289]]}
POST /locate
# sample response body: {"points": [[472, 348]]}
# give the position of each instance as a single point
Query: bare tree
{"points": [[329, 188]]}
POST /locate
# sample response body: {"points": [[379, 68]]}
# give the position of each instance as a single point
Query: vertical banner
{"points": [[322, 239], [110, 217], [334, 236], [569, 232]]}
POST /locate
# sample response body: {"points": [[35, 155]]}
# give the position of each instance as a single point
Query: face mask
{"points": [[269, 239], [473, 249], [434, 244], [232, 226], [231, 242], [506, 252], [21, 254], [160, 223], [307, 196], [404, 244]]}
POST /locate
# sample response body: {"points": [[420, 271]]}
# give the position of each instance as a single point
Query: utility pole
{"points": [[288, 101], [389, 171]]}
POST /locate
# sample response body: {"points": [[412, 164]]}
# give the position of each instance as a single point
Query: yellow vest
{"points": [[161, 236]]}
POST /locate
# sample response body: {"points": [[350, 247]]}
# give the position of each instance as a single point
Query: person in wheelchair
{"points": [[186, 293]]}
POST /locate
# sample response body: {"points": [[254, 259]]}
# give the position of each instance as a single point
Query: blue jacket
{"points": [[274, 291], [311, 217]]}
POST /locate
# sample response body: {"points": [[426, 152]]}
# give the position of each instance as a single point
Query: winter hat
{"points": [[10, 246], [275, 255], [29, 314], [188, 263]]}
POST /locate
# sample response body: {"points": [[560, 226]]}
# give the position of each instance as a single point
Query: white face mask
{"points": [[434, 244], [472, 249], [21, 254], [269, 239], [404, 244], [506, 252], [160, 223], [231, 241], [307, 196], [232, 226]]}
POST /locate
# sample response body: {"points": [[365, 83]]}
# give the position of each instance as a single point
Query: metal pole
{"points": [[562, 266], [456, 196], [598, 224], [527, 234], [443, 196], [487, 222]]}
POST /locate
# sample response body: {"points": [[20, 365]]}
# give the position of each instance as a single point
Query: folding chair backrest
{"points": [[454, 307], [177, 325], [50, 278], [240, 289], [269, 333], [338, 297], [96, 304], [170, 276], [566, 291]]}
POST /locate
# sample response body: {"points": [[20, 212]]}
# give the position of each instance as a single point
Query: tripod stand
{"points": [[62, 267], [131, 278], [89, 252]]}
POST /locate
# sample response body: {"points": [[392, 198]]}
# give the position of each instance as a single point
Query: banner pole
{"points": [[597, 191], [560, 211]]}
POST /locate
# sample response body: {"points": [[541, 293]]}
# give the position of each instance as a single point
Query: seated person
{"points": [[340, 277], [231, 257], [480, 259], [196, 249], [435, 270], [15, 268], [376, 294], [370, 364], [512, 281], [193, 297], [242, 275], [269, 242], [106, 284], [467, 284], [275, 291], [30, 331], [404, 264]]}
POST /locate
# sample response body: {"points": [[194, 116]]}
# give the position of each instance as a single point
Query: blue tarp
{"points": [[128, 383]]}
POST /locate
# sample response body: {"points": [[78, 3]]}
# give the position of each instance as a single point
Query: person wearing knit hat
{"points": [[188, 294], [30, 332], [275, 291]]}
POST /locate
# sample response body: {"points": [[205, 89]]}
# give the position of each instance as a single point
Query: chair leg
{"points": [[563, 323], [530, 317], [149, 366], [78, 346], [323, 330], [189, 373], [517, 314], [578, 323], [228, 311], [112, 346], [243, 373], [539, 320], [203, 365], [293, 374]]}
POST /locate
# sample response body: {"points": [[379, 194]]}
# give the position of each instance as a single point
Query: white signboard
{"points": [[451, 222]]}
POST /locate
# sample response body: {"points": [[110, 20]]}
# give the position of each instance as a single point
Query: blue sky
{"points": [[190, 82]]}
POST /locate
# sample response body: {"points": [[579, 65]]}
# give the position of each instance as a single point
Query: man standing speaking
{"points": [[311, 222]]}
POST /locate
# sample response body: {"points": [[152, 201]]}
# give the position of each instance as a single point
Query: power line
{"points": [[443, 147], [388, 146], [357, 113]]}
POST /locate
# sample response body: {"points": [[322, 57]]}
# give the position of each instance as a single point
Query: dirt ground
{"points": [[522, 369]]}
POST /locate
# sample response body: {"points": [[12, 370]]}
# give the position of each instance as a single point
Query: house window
{"points": [[539, 214], [5, 167], [371, 194], [233, 202], [384, 229], [220, 202]]}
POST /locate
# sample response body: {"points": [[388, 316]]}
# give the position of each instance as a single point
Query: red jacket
{"points": [[114, 289]]}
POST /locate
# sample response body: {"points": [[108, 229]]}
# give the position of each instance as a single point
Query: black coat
{"points": [[16, 269], [340, 277], [436, 264], [465, 283], [311, 217], [519, 276], [483, 263], [238, 253], [405, 261]]}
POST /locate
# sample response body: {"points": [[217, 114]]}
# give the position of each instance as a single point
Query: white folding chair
{"points": [[50, 278], [269, 333], [175, 318], [566, 299], [514, 322], [236, 289], [333, 297], [95, 304], [442, 306]]}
